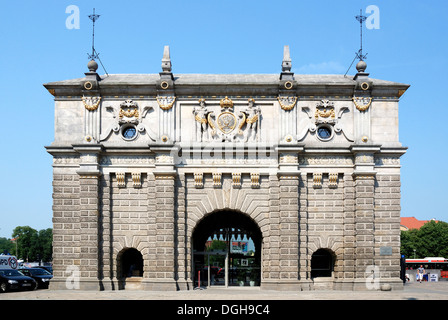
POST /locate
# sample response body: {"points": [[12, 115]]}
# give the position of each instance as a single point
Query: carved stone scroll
{"points": [[121, 182]]}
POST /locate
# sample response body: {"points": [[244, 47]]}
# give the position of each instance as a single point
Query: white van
{"points": [[8, 262], [11, 278]]}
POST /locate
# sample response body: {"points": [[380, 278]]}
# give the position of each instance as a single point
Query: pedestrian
{"points": [[420, 273]]}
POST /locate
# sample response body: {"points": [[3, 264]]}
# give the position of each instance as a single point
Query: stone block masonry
{"points": [[148, 168]]}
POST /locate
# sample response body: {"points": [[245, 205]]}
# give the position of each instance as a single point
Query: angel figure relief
{"points": [[200, 117], [252, 120]]}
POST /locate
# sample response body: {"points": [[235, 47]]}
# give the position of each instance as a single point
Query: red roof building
{"points": [[408, 223]]}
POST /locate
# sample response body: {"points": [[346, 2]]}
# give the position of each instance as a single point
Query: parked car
{"points": [[41, 276], [48, 268], [12, 279]]}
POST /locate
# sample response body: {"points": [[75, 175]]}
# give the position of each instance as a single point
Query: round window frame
{"points": [[126, 127], [326, 126]]}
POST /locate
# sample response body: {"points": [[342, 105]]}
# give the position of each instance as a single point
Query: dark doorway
{"points": [[226, 250], [131, 262], [322, 262]]}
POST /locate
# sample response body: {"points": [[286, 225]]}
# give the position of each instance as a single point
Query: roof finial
{"points": [[92, 65], [286, 73], [286, 63], [361, 66], [166, 60]]}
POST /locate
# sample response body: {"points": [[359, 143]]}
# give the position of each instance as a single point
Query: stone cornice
{"points": [[88, 148], [222, 84]]}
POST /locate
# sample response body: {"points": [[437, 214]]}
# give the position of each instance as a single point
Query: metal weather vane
{"points": [[94, 55], [361, 18], [93, 17]]}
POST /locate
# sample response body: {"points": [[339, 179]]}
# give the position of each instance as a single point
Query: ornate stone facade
{"points": [[312, 161]]}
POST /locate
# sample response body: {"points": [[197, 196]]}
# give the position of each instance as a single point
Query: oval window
{"points": [[324, 132], [129, 132]]}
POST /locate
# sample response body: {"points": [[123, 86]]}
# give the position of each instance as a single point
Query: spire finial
{"points": [[166, 60], [286, 73], [286, 63]]}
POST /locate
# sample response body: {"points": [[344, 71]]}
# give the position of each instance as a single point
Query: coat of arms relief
{"points": [[227, 125], [325, 122], [128, 120]]}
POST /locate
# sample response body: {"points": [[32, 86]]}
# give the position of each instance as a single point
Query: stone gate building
{"points": [[148, 167]]}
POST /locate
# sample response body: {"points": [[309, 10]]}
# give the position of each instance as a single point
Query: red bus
{"points": [[429, 263]]}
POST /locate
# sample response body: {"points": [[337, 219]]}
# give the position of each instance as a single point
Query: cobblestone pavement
{"points": [[413, 291]]}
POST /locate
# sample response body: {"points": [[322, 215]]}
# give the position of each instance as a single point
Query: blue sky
{"points": [[217, 36]]}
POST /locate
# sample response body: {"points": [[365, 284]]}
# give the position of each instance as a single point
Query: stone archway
{"points": [[129, 268], [237, 260], [322, 263], [322, 269]]}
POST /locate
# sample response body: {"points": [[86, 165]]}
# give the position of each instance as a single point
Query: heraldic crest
{"points": [[227, 125]]}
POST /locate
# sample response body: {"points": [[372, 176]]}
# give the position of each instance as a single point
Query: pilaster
{"points": [[271, 244], [106, 273], [166, 99], [89, 175], [304, 263], [182, 247], [284, 220], [364, 211], [364, 223], [289, 235], [165, 270], [349, 228]]}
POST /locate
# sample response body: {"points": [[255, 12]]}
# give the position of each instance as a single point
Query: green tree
{"points": [[217, 245], [409, 244], [27, 238], [45, 244], [33, 245], [431, 240], [6, 245]]}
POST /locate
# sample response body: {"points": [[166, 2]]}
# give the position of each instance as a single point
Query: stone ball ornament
{"points": [[92, 65], [361, 66]]}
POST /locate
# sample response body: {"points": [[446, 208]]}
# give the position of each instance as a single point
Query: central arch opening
{"points": [[226, 250]]}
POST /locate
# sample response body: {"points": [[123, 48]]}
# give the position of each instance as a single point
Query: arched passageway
{"points": [[130, 263], [322, 263], [226, 250]]}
